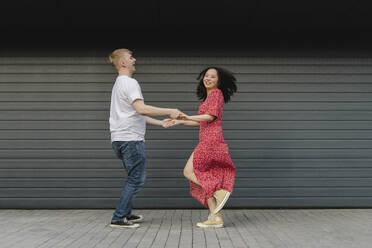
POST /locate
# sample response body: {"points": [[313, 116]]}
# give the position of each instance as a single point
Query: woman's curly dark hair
{"points": [[226, 83]]}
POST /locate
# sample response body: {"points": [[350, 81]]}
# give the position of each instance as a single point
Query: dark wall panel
{"points": [[299, 132]]}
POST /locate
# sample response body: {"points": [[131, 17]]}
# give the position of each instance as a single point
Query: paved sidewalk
{"points": [[176, 228]]}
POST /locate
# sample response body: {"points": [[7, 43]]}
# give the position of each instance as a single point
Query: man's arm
{"points": [[148, 110], [153, 122]]}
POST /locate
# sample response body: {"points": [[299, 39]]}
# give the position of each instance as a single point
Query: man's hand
{"points": [[175, 114]]}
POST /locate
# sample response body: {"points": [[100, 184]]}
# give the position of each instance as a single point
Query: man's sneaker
{"points": [[125, 223], [214, 221], [221, 198], [135, 218]]}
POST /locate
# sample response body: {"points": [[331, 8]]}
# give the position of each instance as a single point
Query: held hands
{"points": [[166, 123], [175, 114], [184, 117], [176, 118]]}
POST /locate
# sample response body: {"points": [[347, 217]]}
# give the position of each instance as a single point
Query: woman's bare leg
{"points": [[188, 171], [212, 204]]}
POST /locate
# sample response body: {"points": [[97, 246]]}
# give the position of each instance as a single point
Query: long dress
{"points": [[212, 163]]}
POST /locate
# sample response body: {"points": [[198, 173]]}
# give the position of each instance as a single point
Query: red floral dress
{"points": [[213, 166]]}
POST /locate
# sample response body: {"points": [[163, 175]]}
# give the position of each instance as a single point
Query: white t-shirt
{"points": [[125, 123]]}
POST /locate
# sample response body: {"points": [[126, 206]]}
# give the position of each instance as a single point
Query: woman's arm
{"points": [[173, 122], [198, 118], [188, 123]]}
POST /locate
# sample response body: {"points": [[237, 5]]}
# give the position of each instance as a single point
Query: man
{"points": [[128, 118]]}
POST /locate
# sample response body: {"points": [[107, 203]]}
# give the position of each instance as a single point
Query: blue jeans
{"points": [[132, 154]]}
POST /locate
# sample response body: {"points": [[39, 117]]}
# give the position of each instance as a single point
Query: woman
{"points": [[210, 169]]}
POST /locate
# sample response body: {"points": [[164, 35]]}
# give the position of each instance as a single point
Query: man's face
{"points": [[128, 61]]}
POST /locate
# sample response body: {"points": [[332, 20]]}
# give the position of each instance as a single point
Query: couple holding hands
{"points": [[209, 169]]}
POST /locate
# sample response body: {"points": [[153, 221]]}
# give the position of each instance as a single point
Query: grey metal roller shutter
{"points": [[299, 132]]}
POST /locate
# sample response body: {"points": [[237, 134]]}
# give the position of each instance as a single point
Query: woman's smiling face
{"points": [[210, 79]]}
